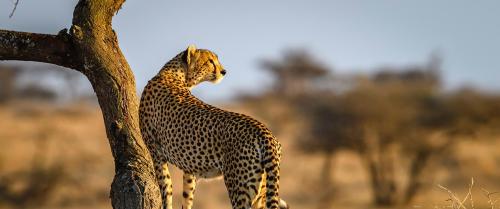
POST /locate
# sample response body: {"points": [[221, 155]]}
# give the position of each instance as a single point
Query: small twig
{"points": [[456, 203], [14, 9], [454, 199], [488, 195], [470, 192]]}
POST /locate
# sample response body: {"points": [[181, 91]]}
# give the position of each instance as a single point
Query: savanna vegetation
{"points": [[387, 138]]}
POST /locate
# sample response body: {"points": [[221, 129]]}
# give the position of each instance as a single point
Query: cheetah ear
{"points": [[189, 54]]}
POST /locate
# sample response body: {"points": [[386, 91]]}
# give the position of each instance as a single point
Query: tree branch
{"points": [[103, 11], [53, 49], [14, 9]]}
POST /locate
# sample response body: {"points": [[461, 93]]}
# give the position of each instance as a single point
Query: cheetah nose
{"points": [[223, 72]]}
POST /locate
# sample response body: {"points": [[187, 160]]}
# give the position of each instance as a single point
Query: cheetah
{"points": [[205, 141]]}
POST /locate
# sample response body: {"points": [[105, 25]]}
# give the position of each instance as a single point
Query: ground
{"points": [[75, 139]]}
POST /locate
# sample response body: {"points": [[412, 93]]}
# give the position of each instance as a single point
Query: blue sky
{"points": [[352, 35]]}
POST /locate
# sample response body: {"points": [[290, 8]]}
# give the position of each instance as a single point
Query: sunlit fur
{"points": [[205, 141], [203, 65]]}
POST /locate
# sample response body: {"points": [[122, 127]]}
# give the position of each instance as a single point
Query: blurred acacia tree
{"points": [[396, 118], [7, 78], [296, 74], [30, 82]]}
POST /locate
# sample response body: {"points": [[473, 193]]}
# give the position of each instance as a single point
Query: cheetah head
{"points": [[202, 65]]}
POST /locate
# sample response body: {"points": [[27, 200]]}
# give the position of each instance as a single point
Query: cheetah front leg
{"points": [[165, 183], [189, 185]]}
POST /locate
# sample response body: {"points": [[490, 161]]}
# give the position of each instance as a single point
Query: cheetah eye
{"points": [[213, 64]]}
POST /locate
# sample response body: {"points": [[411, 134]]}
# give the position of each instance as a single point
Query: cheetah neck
{"points": [[175, 71]]}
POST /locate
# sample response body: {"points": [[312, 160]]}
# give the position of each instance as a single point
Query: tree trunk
{"points": [[417, 165], [327, 187], [92, 48], [422, 159], [382, 182], [379, 162]]}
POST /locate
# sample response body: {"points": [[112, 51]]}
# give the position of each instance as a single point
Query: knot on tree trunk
{"points": [[133, 190], [76, 32]]}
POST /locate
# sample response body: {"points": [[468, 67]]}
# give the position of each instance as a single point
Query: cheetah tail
{"points": [[271, 166]]}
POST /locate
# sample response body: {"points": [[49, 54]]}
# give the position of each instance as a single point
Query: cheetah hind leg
{"points": [[260, 201], [189, 185], [242, 184], [165, 184]]}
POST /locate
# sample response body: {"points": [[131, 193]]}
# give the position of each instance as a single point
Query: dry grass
{"points": [[76, 140], [468, 201]]}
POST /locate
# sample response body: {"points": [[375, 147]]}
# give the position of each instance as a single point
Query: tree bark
{"points": [[54, 49], [92, 48]]}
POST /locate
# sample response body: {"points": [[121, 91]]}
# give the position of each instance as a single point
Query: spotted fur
{"points": [[205, 141]]}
